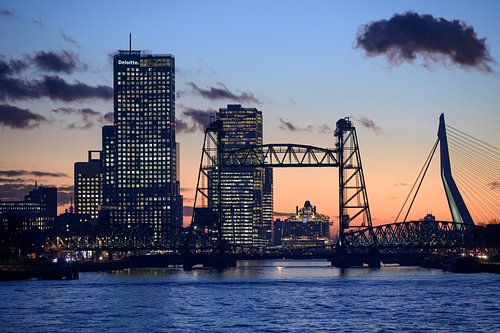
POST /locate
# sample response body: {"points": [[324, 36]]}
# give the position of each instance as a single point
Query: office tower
{"points": [[241, 188], [180, 198], [109, 173], [266, 229], [38, 210], [88, 187], [144, 115]]}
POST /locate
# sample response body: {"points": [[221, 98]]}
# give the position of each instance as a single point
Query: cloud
{"points": [[58, 62], [282, 214], [368, 123], [109, 117], [17, 118], [182, 126], [64, 194], [38, 22], [87, 115], [53, 87], [48, 86], [220, 92], [69, 39], [7, 13], [287, 125], [494, 185], [404, 37], [187, 211], [14, 192], [35, 173], [17, 191], [11, 67], [401, 184], [198, 119]]}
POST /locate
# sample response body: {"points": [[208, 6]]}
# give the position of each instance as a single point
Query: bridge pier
{"points": [[345, 259], [217, 261]]}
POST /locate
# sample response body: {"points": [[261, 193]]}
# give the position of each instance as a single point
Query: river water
{"points": [[256, 296]]}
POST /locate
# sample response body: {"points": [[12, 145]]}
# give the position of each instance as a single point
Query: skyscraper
{"points": [[88, 187], [144, 111], [242, 188]]}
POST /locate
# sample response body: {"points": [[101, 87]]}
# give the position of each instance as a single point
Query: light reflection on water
{"points": [[256, 296]]}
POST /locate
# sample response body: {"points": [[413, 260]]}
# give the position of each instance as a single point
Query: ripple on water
{"points": [[268, 296]]}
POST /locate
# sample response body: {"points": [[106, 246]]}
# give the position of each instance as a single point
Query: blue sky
{"points": [[296, 57]]}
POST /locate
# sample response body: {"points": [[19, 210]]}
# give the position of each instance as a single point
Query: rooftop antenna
{"points": [[130, 42]]}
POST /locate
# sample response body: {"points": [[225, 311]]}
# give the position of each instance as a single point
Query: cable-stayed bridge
{"points": [[469, 172]]}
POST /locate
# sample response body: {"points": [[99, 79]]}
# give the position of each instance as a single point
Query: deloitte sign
{"points": [[128, 62]]}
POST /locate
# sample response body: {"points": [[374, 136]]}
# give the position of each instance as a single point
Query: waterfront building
{"points": [[88, 187], [246, 218], [140, 171], [38, 210], [306, 228]]}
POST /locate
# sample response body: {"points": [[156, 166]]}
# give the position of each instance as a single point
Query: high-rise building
{"points": [[109, 172], [242, 188], [146, 188], [88, 187], [266, 229], [38, 210]]}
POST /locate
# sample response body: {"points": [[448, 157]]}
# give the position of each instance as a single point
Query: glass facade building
{"points": [[139, 151], [243, 197], [88, 187]]}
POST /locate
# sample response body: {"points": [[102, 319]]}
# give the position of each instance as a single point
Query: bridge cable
{"points": [[493, 148], [420, 176], [484, 198], [475, 149]]}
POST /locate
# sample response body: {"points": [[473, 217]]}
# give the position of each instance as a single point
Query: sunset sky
{"points": [[304, 64]]}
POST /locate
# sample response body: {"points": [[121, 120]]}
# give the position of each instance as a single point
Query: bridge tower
{"points": [[459, 212], [354, 210]]}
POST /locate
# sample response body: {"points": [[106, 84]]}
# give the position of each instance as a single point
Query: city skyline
{"points": [[384, 99]]}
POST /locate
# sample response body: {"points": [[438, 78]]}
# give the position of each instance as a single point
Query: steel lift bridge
{"points": [[358, 240]]}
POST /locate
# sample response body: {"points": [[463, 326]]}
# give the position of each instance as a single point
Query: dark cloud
{"points": [[401, 184], [495, 185], [7, 13], [69, 39], [85, 113], [17, 118], [109, 117], [282, 214], [15, 191], [80, 126], [53, 87], [187, 211], [182, 126], [35, 173], [221, 92], [368, 123], [15, 180], [38, 22], [404, 37], [287, 125], [88, 116], [198, 119], [64, 194], [58, 62], [11, 67]]}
